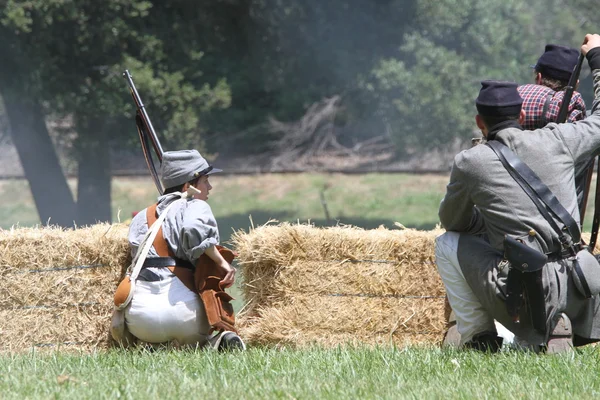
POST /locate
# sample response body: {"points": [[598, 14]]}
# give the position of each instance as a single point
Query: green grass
{"points": [[366, 200], [339, 373]]}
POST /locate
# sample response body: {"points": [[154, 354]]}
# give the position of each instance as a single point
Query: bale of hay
{"points": [[307, 285], [58, 285], [332, 320]]}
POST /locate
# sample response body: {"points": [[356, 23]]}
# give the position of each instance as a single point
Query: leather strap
{"points": [[185, 275], [158, 262], [540, 194], [535, 299]]}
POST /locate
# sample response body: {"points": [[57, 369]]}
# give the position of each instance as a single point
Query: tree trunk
{"points": [[94, 176], [51, 193]]}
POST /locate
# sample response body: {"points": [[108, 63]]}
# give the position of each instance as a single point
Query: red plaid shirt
{"points": [[534, 98]]}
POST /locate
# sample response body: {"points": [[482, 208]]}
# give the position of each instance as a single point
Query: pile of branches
{"points": [[312, 141]]}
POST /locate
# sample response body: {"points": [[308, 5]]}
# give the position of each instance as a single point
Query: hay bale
{"points": [[333, 320], [58, 285], [307, 285]]}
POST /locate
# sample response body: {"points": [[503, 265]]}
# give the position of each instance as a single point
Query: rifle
{"points": [[569, 89], [147, 133], [562, 118]]}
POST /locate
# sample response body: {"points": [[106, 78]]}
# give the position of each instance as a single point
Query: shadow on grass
{"points": [[234, 222]]}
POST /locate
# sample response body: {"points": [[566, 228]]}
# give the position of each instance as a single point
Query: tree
{"points": [[426, 93], [80, 49]]}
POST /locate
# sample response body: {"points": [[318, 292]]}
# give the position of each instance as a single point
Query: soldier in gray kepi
{"points": [[165, 308], [532, 275]]}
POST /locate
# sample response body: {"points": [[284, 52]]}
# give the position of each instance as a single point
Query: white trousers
{"points": [[471, 317], [167, 310]]}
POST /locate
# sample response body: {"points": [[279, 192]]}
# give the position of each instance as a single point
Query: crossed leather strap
{"points": [[205, 280]]}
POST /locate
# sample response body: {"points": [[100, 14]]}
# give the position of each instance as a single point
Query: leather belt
{"points": [[559, 255], [158, 262]]}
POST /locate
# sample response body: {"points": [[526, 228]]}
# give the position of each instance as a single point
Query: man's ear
{"points": [[522, 117], [480, 123], [538, 78], [185, 187]]}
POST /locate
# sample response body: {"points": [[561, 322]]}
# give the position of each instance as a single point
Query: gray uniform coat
{"points": [[189, 229], [483, 198]]}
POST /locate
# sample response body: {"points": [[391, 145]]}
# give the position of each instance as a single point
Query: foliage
{"points": [[79, 50], [426, 93], [220, 69]]}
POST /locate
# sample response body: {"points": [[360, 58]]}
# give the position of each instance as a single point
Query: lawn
{"points": [[338, 373], [367, 201], [238, 202]]}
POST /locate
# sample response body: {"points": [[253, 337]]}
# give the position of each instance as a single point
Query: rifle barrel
{"points": [[142, 110], [564, 107]]}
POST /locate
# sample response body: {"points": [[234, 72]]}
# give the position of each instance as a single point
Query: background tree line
{"points": [[213, 73]]}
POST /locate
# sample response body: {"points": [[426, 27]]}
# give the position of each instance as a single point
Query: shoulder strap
{"points": [[185, 275], [147, 242], [159, 243], [539, 193]]}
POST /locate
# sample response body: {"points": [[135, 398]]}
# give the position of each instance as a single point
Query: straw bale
{"points": [[72, 286], [58, 285], [379, 278], [305, 285], [82, 327], [40, 248], [280, 260], [274, 245], [334, 320]]}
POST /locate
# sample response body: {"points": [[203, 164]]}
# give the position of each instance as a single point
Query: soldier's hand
{"points": [[589, 42], [229, 272]]}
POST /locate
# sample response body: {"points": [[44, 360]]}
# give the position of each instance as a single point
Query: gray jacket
{"points": [[189, 229], [483, 197]]}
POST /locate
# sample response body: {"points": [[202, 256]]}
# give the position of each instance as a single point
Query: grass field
{"points": [[371, 373], [366, 200], [339, 373]]}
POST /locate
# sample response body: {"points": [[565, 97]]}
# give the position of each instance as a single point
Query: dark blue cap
{"points": [[498, 99], [557, 62]]}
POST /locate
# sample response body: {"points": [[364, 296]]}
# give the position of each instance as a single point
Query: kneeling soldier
{"points": [[531, 275], [166, 305]]}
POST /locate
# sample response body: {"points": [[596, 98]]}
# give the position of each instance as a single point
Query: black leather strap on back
{"points": [[158, 262], [539, 193]]}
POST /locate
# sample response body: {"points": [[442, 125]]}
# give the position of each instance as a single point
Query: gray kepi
{"points": [[179, 167]]}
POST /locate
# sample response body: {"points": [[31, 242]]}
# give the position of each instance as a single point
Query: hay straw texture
{"points": [[58, 285], [306, 285]]}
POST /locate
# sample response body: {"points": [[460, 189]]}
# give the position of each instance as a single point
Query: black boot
{"points": [[231, 341], [488, 342]]}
